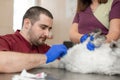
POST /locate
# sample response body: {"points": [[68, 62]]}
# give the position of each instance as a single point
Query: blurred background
{"points": [[63, 11]]}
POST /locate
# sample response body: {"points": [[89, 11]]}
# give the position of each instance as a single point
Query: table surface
{"points": [[61, 74]]}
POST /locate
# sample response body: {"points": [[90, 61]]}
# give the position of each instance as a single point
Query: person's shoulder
{"points": [[9, 37], [116, 1], [6, 36]]}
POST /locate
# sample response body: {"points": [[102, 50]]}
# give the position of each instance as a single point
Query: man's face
{"points": [[39, 31]]}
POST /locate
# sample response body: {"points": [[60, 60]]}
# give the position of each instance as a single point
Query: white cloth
{"points": [[28, 76]]}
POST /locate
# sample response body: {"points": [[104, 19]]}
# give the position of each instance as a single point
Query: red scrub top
{"points": [[15, 42]]}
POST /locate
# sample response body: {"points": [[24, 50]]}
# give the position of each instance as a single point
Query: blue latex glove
{"points": [[90, 46], [56, 51], [91, 37], [84, 37]]}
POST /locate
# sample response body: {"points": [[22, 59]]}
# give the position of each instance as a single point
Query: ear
{"points": [[27, 23]]}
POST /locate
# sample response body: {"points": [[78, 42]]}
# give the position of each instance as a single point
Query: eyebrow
{"points": [[46, 26]]}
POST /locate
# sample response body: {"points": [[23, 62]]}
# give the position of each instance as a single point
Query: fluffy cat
{"points": [[105, 59]]}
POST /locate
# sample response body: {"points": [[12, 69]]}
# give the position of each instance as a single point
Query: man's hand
{"points": [[56, 51]]}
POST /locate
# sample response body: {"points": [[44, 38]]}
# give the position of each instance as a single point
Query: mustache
{"points": [[43, 38]]}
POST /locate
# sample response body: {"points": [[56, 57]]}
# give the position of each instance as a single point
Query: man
{"points": [[25, 49]]}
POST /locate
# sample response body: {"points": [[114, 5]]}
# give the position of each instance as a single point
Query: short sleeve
{"points": [[76, 18], [115, 10], [4, 46]]}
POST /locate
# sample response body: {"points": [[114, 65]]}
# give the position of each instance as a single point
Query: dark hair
{"points": [[83, 4], [34, 12]]}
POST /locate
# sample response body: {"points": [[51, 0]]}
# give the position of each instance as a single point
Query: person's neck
{"points": [[94, 1], [94, 5], [24, 35]]}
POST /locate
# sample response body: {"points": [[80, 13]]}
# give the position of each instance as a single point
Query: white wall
{"points": [[6, 16], [62, 23]]}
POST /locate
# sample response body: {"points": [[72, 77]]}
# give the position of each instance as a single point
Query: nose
{"points": [[47, 32]]}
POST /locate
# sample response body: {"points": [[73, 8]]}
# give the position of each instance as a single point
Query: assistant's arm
{"points": [[74, 34], [113, 34], [114, 30]]}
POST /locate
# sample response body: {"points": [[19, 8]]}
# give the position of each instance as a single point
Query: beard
{"points": [[36, 40]]}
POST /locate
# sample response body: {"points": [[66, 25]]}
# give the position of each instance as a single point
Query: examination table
{"points": [[61, 74]]}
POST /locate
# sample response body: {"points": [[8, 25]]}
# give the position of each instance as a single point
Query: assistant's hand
{"points": [[83, 38], [55, 52], [90, 46]]}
